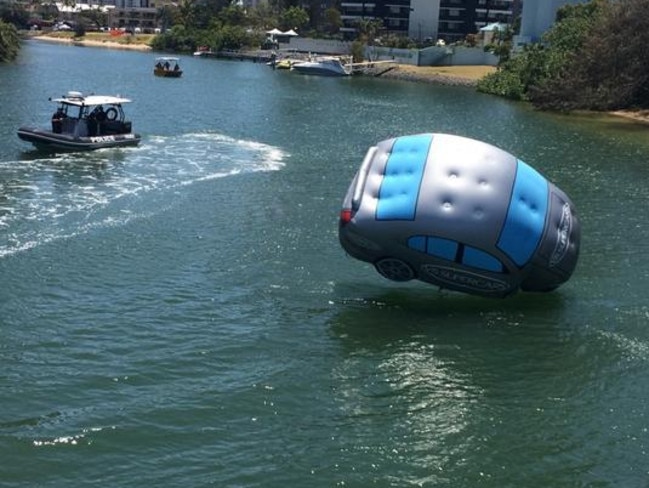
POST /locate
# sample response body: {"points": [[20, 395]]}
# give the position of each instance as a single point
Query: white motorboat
{"points": [[324, 66], [84, 123]]}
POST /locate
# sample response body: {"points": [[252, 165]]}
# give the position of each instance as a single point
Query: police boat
{"points": [[84, 123]]}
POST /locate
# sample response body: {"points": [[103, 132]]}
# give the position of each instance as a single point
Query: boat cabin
{"points": [[167, 67], [93, 115]]}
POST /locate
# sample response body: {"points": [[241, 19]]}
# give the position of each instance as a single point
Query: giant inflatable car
{"points": [[459, 214]]}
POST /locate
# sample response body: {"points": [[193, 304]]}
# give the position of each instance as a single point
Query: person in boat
{"points": [[98, 114], [57, 120], [166, 65], [95, 119], [176, 67], [159, 65]]}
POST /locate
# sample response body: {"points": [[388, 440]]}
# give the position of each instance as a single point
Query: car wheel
{"points": [[394, 269]]}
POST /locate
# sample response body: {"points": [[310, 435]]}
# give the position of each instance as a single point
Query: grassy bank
{"points": [[448, 75]]}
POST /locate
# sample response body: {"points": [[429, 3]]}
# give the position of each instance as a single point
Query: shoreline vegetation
{"points": [[447, 75]]}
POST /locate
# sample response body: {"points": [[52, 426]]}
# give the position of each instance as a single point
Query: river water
{"points": [[181, 313]]}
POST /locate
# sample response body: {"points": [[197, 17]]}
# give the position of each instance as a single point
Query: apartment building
{"points": [[136, 14], [450, 20], [538, 16]]}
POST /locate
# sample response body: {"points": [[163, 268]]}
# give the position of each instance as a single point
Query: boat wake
{"points": [[48, 197]]}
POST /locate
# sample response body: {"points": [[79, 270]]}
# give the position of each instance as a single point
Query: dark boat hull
{"points": [[44, 139], [168, 73]]}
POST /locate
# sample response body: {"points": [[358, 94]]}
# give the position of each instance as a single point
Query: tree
{"points": [[368, 30], [94, 17], [13, 13], [233, 15], [539, 73], [604, 64], [9, 42], [294, 18], [186, 12], [263, 17], [610, 69], [332, 21], [165, 15]]}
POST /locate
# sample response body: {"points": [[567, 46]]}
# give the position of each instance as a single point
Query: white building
{"points": [[538, 16], [424, 18]]}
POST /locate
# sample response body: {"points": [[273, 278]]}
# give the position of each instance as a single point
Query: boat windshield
{"points": [[167, 64], [100, 113]]}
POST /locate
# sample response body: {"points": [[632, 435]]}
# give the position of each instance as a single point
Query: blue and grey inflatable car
{"points": [[460, 214]]}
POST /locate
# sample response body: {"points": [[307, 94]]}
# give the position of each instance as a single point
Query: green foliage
{"points": [[369, 29], [294, 18], [166, 15], [533, 74], [9, 42], [79, 30], [176, 39], [93, 18], [595, 57], [13, 13], [333, 21], [231, 37], [233, 15], [398, 42], [503, 83], [508, 81], [609, 70], [358, 51], [218, 37], [262, 17]]}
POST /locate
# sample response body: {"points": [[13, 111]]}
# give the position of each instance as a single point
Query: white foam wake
{"points": [[44, 198]]}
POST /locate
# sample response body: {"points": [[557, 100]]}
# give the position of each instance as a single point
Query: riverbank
{"points": [[447, 75], [125, 41], [641, 116]]}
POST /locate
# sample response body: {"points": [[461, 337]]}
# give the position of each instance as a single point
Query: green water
{"points": [[181, 313]]}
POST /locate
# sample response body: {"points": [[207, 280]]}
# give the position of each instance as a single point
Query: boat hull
{"points": [[168, 73], [44, 139], [317, 70]]}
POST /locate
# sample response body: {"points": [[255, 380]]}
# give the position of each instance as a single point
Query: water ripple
{"points": [[51, 197]]}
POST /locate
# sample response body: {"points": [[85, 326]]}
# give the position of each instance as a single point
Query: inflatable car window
{"points": [[460, 214]]}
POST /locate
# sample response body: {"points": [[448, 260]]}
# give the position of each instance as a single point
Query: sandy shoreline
{"points": [[641, 116], [447, 75], [89, 43]]}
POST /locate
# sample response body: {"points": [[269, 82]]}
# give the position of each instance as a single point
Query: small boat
{"points": [[285, 63], [324, 66], [167, 67], [203, 51], [84, 123]]}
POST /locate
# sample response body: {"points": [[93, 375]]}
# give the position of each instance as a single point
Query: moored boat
{"points": [[324, 66], [203, 51], [285, 63], [84, 123]]}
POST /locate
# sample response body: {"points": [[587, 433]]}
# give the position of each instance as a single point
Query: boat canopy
{"points": [[167, 58], [77, 99]]}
